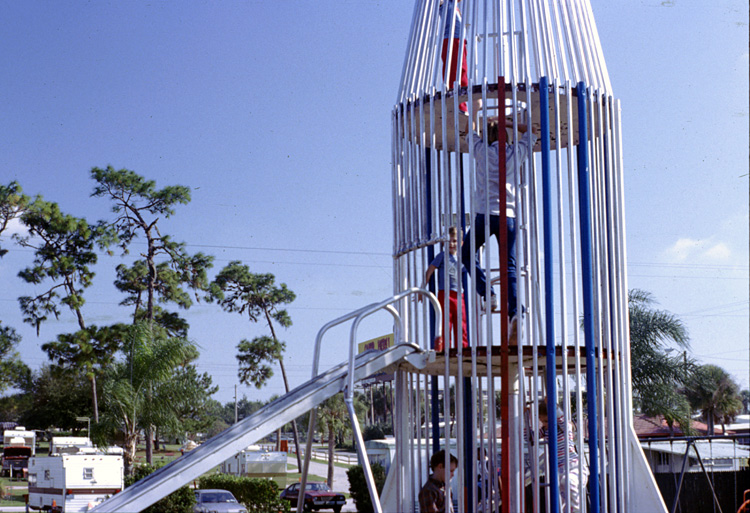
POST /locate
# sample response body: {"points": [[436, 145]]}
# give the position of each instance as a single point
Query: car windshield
{"points": [[318, 487], [218, 497]]}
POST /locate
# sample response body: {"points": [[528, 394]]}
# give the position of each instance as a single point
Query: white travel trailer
{"points": [[19, 436], [19, 445], [76, 482], [68, 444], [257, 462]]}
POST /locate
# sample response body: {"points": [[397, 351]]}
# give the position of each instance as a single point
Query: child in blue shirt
{"points": [[441, 264]]}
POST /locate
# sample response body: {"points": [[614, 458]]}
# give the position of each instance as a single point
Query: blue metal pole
{"points": [[584, 202], [549, 296], [469, 409], [434, 402]]}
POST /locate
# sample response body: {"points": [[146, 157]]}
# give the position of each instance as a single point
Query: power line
{"points": [[293, 250], [690, 266], [732, 306], [246, 248]]}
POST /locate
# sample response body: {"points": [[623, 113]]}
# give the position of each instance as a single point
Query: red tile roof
{"points": [[656, 427]]}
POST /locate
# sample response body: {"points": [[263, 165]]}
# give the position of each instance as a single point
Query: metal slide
{"points": [[268, 419]]}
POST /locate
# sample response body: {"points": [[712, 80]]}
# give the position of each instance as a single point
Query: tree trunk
{"points": [[294, 422], [151, 254], [286, 387], [131, 442], [82, 326], [331, 446], [150, 302], [149, 445], [94, 399]]}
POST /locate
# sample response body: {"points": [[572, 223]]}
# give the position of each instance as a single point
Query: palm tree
{"points": [[659, 372], [716, 395], [745, 398], [139, 392], [334, 417]]}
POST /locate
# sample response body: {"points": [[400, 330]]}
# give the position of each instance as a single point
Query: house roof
{"points": [[657, 427]]}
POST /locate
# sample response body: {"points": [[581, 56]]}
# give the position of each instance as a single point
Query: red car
{"points": [[317, 496]]}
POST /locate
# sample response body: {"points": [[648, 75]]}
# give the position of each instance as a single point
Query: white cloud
{"points": [[720, 252], [698, 250], [14, 226]]}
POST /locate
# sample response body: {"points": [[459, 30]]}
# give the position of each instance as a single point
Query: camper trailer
{"points": [[68, 444], [256, 462], [74, 482], [19, 445]]}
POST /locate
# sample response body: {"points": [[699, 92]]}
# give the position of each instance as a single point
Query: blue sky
{"points": [[277, 115]]}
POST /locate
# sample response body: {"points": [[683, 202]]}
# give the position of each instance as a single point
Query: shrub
{"points": [[179, 501], [358, 486], [373, 432], [258, 495]]}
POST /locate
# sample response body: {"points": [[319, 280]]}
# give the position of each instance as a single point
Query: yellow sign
{"points": [[379, 343]]}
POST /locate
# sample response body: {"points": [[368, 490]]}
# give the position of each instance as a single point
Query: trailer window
{"points": [[46, 474], [88, 473]]}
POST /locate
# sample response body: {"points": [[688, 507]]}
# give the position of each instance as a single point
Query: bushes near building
{"points": [[258, 495], [358, 486]]}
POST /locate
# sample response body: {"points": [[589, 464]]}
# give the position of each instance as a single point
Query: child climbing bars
{"points": [[454, 49], [451, 312], [573, 479], [487, 201]]}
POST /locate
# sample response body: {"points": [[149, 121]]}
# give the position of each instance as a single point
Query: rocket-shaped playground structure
{"points": [[505, 133], [531, 76]]}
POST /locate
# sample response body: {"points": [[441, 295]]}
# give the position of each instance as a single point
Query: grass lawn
{"points": [[335, 463], [165, 454], [292, 466], [14, 492]]}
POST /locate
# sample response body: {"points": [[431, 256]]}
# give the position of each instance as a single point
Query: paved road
{"points": [[340, 481]]}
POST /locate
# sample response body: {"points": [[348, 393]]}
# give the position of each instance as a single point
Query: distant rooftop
{"points": [[657, 427]]}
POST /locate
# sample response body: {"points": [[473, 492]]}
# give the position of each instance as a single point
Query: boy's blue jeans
{"points": [[481, 279]]}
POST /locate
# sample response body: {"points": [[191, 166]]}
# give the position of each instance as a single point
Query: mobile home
{"points": [[75, 482], [255, 461], [68, 444], [19, 445]]}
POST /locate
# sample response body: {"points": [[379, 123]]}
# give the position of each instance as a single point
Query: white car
{"points": [[217, 501]]}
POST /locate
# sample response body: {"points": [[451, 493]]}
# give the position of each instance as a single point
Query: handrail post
{"points": [[357, 315]]}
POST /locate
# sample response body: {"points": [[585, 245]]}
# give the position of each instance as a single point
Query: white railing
{"points": [[318, 454]]}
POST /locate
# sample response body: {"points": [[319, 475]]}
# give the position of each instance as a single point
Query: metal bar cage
{"points": [[533, 72]]}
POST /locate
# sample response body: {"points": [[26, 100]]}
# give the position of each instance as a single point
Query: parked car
{"points": [[217, 501], [317, 496]]}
